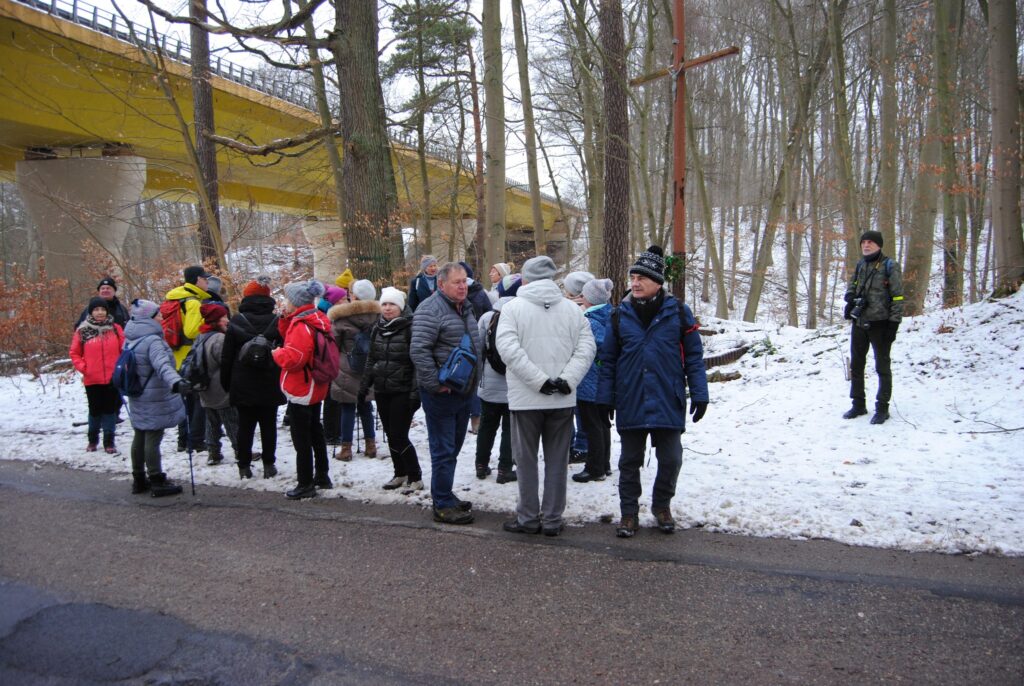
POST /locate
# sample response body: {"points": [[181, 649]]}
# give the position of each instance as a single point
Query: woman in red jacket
{"points": [[94, 350], [298, 325]]}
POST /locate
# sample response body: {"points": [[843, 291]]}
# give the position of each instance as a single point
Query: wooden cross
{"points": [[678, 70]]}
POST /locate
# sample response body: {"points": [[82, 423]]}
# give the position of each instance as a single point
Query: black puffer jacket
{"points": [[246, 385], [389, 369]]}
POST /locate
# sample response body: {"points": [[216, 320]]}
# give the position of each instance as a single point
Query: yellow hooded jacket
{"points": [[191, 317]]}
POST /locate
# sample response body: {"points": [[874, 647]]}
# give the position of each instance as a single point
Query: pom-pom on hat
{"points": [[539, 268], [99, 302], [107, 281], [213, 312], [598, 291], [194, 273], [345, 279], [364, 290], [301, 293], [873, 236], [650, 263], [258, 286], [574, 281], [144, 309], [392, 295]]}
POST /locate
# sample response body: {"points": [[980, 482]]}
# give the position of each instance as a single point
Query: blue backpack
{"points": [[457, 371], [360, 352], [126, 377]]}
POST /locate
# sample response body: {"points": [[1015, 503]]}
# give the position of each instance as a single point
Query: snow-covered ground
{"points": [[773, 457]]}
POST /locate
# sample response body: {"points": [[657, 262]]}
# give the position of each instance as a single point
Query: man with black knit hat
{"points": [[651, 352], [107, 289], [190, 295], [874, 301]]}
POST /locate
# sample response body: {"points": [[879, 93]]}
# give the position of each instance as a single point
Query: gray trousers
{"points": [[146, 452], [553, 429]]}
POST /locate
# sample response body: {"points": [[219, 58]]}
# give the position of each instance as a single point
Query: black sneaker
{"points": [[269, 470], [578, 457], [666, 524], [553, 531], [300, 492], [507, 477], [244, 471], [464, 505], [585, 476], [482, 471], [880, 416], [513, 526], [855, 411], [453, 515], [628, 526], [323, 482]]}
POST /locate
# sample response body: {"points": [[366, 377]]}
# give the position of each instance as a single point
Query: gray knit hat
{"points": [[539, 268], [144, 309], [301, 293], [650, 263], [213, 284], [573, 282], [598, 291], [364, 290]]}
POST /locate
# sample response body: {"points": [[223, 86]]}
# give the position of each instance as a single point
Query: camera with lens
{"points": [[858, 310]]}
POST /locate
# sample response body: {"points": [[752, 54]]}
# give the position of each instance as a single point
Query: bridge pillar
{"points": [[443, 232], [74, 202], [330, 254]]}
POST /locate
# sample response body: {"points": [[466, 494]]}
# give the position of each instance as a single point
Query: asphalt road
{"points": [[238, 587]]}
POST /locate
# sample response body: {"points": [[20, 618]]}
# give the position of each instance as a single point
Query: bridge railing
{"points": [[301, 95]]}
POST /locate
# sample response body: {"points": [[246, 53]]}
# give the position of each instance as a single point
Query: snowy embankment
{"points": [[773, 457]]}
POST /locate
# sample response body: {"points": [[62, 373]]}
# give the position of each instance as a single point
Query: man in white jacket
{"points": [[546, 344]]}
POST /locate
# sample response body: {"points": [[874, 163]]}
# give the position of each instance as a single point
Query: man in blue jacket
{"points": [[651, 352]]}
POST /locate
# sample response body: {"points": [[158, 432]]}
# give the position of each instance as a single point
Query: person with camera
{"points": [[439, 326], [874, 302]]}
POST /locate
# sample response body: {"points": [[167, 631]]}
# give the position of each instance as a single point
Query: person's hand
{"points": [[563, 386], [893, 328], [848, 296], [549, 387], [697, 410], [848, 309], [182, 386]]}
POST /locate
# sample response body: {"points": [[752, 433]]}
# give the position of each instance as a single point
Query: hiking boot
{"points": [[396, 482], [370, 449], [507, 477], [415, 486], [585, 476], [857, 410], [552, 531], [140, 484], [244, 471], [666, 524], [92, 447], [453, 515], [464, 505], [346, 452], [474, 425], [160, 486], [110, 450], [628, 526], [269, 470], [482, 471], [300, 492], [323, 481], [881, 413], [214, 458], [578, 457], [513, 526]]}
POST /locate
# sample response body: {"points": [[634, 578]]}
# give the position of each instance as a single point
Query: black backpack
{"points": [[255, 352], [490, 351], [360, 352], [195, 367]]}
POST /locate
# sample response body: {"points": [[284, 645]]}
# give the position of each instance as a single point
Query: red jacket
{"points": [[295, 356], [95, 359]]}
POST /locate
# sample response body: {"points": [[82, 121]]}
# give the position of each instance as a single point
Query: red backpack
{"points": [[326, 360], [173, 322]]}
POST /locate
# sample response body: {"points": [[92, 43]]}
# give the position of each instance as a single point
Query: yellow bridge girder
{"points": [[66, 86]]}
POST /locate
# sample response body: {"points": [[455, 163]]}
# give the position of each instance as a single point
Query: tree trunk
{"points": [[426, 203], [947, 21], [917, 267], [887, 181], [841, 118], [494, 118], [1006, 150], [718, 271], [529, 131], [615, 257], [479, 251], [210, 243], [371, 196]]}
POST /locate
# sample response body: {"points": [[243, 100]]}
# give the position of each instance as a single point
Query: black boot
{"points": [[140, 484], [160, 486], [858, 409], [269, 470], [215, 456], [244, 471], [881, 413]]}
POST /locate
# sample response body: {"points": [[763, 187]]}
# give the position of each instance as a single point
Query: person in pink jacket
{"points": [[94, 350]]}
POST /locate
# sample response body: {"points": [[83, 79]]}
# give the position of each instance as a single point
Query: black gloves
{"points": [[182, 386], [697, 410], [549, 387], [563, 386], [893, 328], [848, 296], [848, 309]]}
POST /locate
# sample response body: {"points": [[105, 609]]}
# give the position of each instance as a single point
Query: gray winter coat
{"points": [[214, 397], [158, 407], [493, 386], [437, 328], [883, 294]]}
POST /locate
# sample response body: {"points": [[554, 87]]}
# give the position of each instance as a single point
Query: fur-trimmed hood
{"points": [[342, 310]]}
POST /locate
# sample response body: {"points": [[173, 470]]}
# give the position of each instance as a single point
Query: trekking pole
{"points": [[359, 426], [188, 444]]}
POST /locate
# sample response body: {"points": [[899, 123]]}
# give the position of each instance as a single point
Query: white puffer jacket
{"points": [[542, 335]]}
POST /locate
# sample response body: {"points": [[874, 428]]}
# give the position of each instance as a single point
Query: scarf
{"points": [[90, 328], [647, 309], [387, 328]]}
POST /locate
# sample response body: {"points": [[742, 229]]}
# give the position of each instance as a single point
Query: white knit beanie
{"points": [[392, 295]]}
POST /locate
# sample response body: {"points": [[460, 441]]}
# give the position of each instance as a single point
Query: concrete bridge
{"points": [[87, 132]]}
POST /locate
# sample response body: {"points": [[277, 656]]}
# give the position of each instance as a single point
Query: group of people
{"points": [[543, 363]]}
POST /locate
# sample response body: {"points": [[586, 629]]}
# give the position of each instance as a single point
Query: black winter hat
{"points": [[873, 236], [107, 281], [99, 302], [650, 263], [194, 273]]}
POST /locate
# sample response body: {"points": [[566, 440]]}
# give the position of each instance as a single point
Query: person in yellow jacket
{"points": [[192, 432]]}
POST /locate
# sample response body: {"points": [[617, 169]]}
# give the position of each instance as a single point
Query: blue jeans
{"points": [[348, 420], [579, 438], [447, 422]]}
